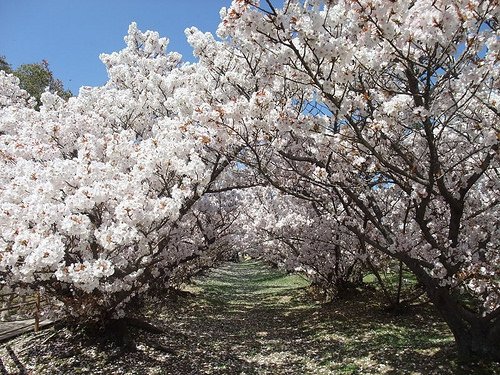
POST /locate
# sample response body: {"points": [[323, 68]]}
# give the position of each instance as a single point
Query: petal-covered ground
{"points": [[250, 319]]}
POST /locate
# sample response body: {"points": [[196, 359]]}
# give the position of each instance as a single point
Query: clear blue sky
{"points": [[70, 34]]}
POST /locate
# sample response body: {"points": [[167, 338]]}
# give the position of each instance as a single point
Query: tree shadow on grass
{"points": [[250, 319]]}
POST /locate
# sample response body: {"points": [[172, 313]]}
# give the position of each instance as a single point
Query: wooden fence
{"points": [[15, 307]]}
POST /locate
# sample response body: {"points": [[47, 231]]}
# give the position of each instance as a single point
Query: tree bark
{"points": [[476, 337]]}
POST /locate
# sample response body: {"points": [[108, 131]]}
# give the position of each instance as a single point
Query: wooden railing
{"points": [[15, 307]]}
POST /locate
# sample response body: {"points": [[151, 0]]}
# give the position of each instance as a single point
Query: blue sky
{"points": [[70, 34]]}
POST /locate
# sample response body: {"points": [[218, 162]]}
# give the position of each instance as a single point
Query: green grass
{"points": [[391, 278], [278, 329], [250, 319], [286, 281]]}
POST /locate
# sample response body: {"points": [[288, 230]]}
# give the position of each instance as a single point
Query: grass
{"points": [[250, 319]]}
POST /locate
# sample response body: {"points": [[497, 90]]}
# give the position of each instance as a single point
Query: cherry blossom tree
{"points": [[98, 194], [389, 111], [374, 122], [296, 235], [214, 225]]}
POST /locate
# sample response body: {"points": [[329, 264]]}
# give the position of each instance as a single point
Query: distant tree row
{"points": [[36, 78]]}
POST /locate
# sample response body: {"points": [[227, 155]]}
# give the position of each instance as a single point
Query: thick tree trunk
{"points": [[345, 288], [476, 342], [476, 337], [118, 330]]}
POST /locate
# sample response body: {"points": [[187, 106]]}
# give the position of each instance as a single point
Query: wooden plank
{"points": [[9, 330], [13, 307]]}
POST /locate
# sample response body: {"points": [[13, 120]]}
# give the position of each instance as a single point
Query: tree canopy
{"points": [[331, 136], [36, 78]]}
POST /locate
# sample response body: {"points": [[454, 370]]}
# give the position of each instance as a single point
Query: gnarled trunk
{"points": [[478, 341], [476, 337]]}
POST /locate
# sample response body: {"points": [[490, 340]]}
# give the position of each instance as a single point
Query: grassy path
{"points": [[250, 319], [247, 318]]}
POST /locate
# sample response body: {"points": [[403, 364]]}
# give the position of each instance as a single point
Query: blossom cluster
{"points": [[95, 191]]}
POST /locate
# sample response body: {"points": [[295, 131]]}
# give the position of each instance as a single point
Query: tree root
{"points": [[118, 331], [160, 347], [142, 324]]}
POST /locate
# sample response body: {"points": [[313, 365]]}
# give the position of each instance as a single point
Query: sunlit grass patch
{"points": [[249, 318]]}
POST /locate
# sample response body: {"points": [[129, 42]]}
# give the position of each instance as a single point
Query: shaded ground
{"points": [[249, 319], [15, 328]]}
